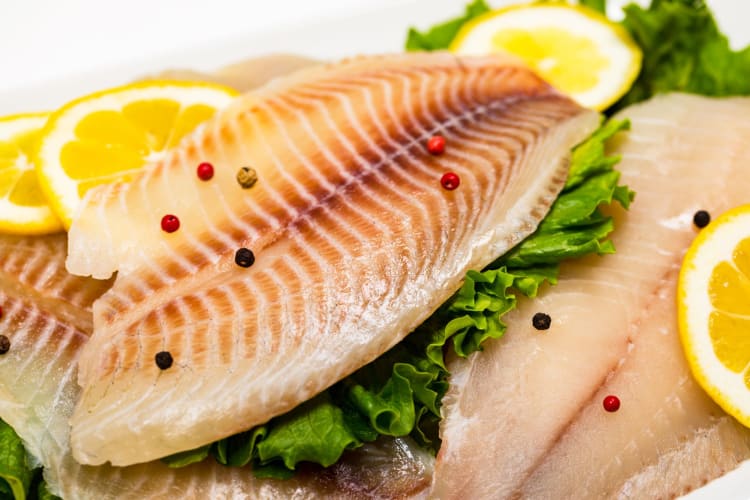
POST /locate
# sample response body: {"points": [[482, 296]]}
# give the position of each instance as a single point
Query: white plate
{"points": [[51, 52]]}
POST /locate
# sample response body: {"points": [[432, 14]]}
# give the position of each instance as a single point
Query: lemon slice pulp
{"points": [[109, 136], [23, 208], [714, 311], [576, 49]]}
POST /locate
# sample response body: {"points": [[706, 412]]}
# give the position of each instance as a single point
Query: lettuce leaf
{"points": [[42, 491], [185, 458], [316, 431], [16, 473], [441, 36], [399, 394], [683, 50], [597, 5], [574, 227], [19, 479]]}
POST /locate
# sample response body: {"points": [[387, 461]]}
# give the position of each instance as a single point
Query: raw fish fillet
{"points": [[524, 418], [47, 317], [355, 241]]}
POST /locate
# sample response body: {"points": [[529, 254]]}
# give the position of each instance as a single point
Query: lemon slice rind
{"points": [[60, 189], [623, 54], [25, 219], [714, 244]]}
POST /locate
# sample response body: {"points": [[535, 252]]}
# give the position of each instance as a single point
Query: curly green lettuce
{"points": [[19, 479], [16, 471], [574, 227], [399, 394], [597, 5], [441, 35], [683, 50]]}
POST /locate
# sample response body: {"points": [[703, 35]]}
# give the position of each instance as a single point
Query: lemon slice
{"points": [[109, 136], [23, 207], [576, 49], [713, 302]]}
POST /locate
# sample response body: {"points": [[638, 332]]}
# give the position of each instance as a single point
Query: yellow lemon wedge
{"points": [[713, 304], [23, 207], [110, 135], [576, 49]]}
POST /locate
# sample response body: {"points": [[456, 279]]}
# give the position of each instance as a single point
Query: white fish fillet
{"points": [[524, 419], [47, 317], [355, 241]]}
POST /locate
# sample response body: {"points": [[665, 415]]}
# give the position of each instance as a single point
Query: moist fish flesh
{"points": [[354, 240], [524, 418], [47, 317]]}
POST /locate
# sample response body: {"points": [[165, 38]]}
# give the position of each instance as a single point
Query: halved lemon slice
{"points": [[713, 302], [576, 49], [109, 136], [23, 207]]}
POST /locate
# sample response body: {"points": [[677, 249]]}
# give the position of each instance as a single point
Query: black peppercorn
{"points": [[163, 360], [4, 344], [244, 257], [541, 321], [701, 219]]}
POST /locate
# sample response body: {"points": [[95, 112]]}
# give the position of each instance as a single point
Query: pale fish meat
{"points": [[354, 240], [47, 318], [525, 419]]}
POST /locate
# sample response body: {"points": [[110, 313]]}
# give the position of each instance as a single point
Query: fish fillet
{"points": [[355, 241], [47, 317], [524, 419]]}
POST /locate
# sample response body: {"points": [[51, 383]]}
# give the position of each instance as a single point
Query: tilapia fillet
{"points": [[526, 416], [47, 317], [355, 241]]}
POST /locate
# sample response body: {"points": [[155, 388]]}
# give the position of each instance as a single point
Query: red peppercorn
{"points": [[170, 223], [205, 171], [450, 181], [611, 403], [436, 144]]}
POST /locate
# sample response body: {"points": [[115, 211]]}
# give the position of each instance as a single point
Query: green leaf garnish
{"points": [[597, 5], [440, 36], [16, 473], [683, 50]]}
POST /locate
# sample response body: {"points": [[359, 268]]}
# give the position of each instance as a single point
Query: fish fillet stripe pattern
{"points": [[348, 222]]}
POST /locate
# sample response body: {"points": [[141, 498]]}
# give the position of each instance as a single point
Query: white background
{"points": [[55, 50]]}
